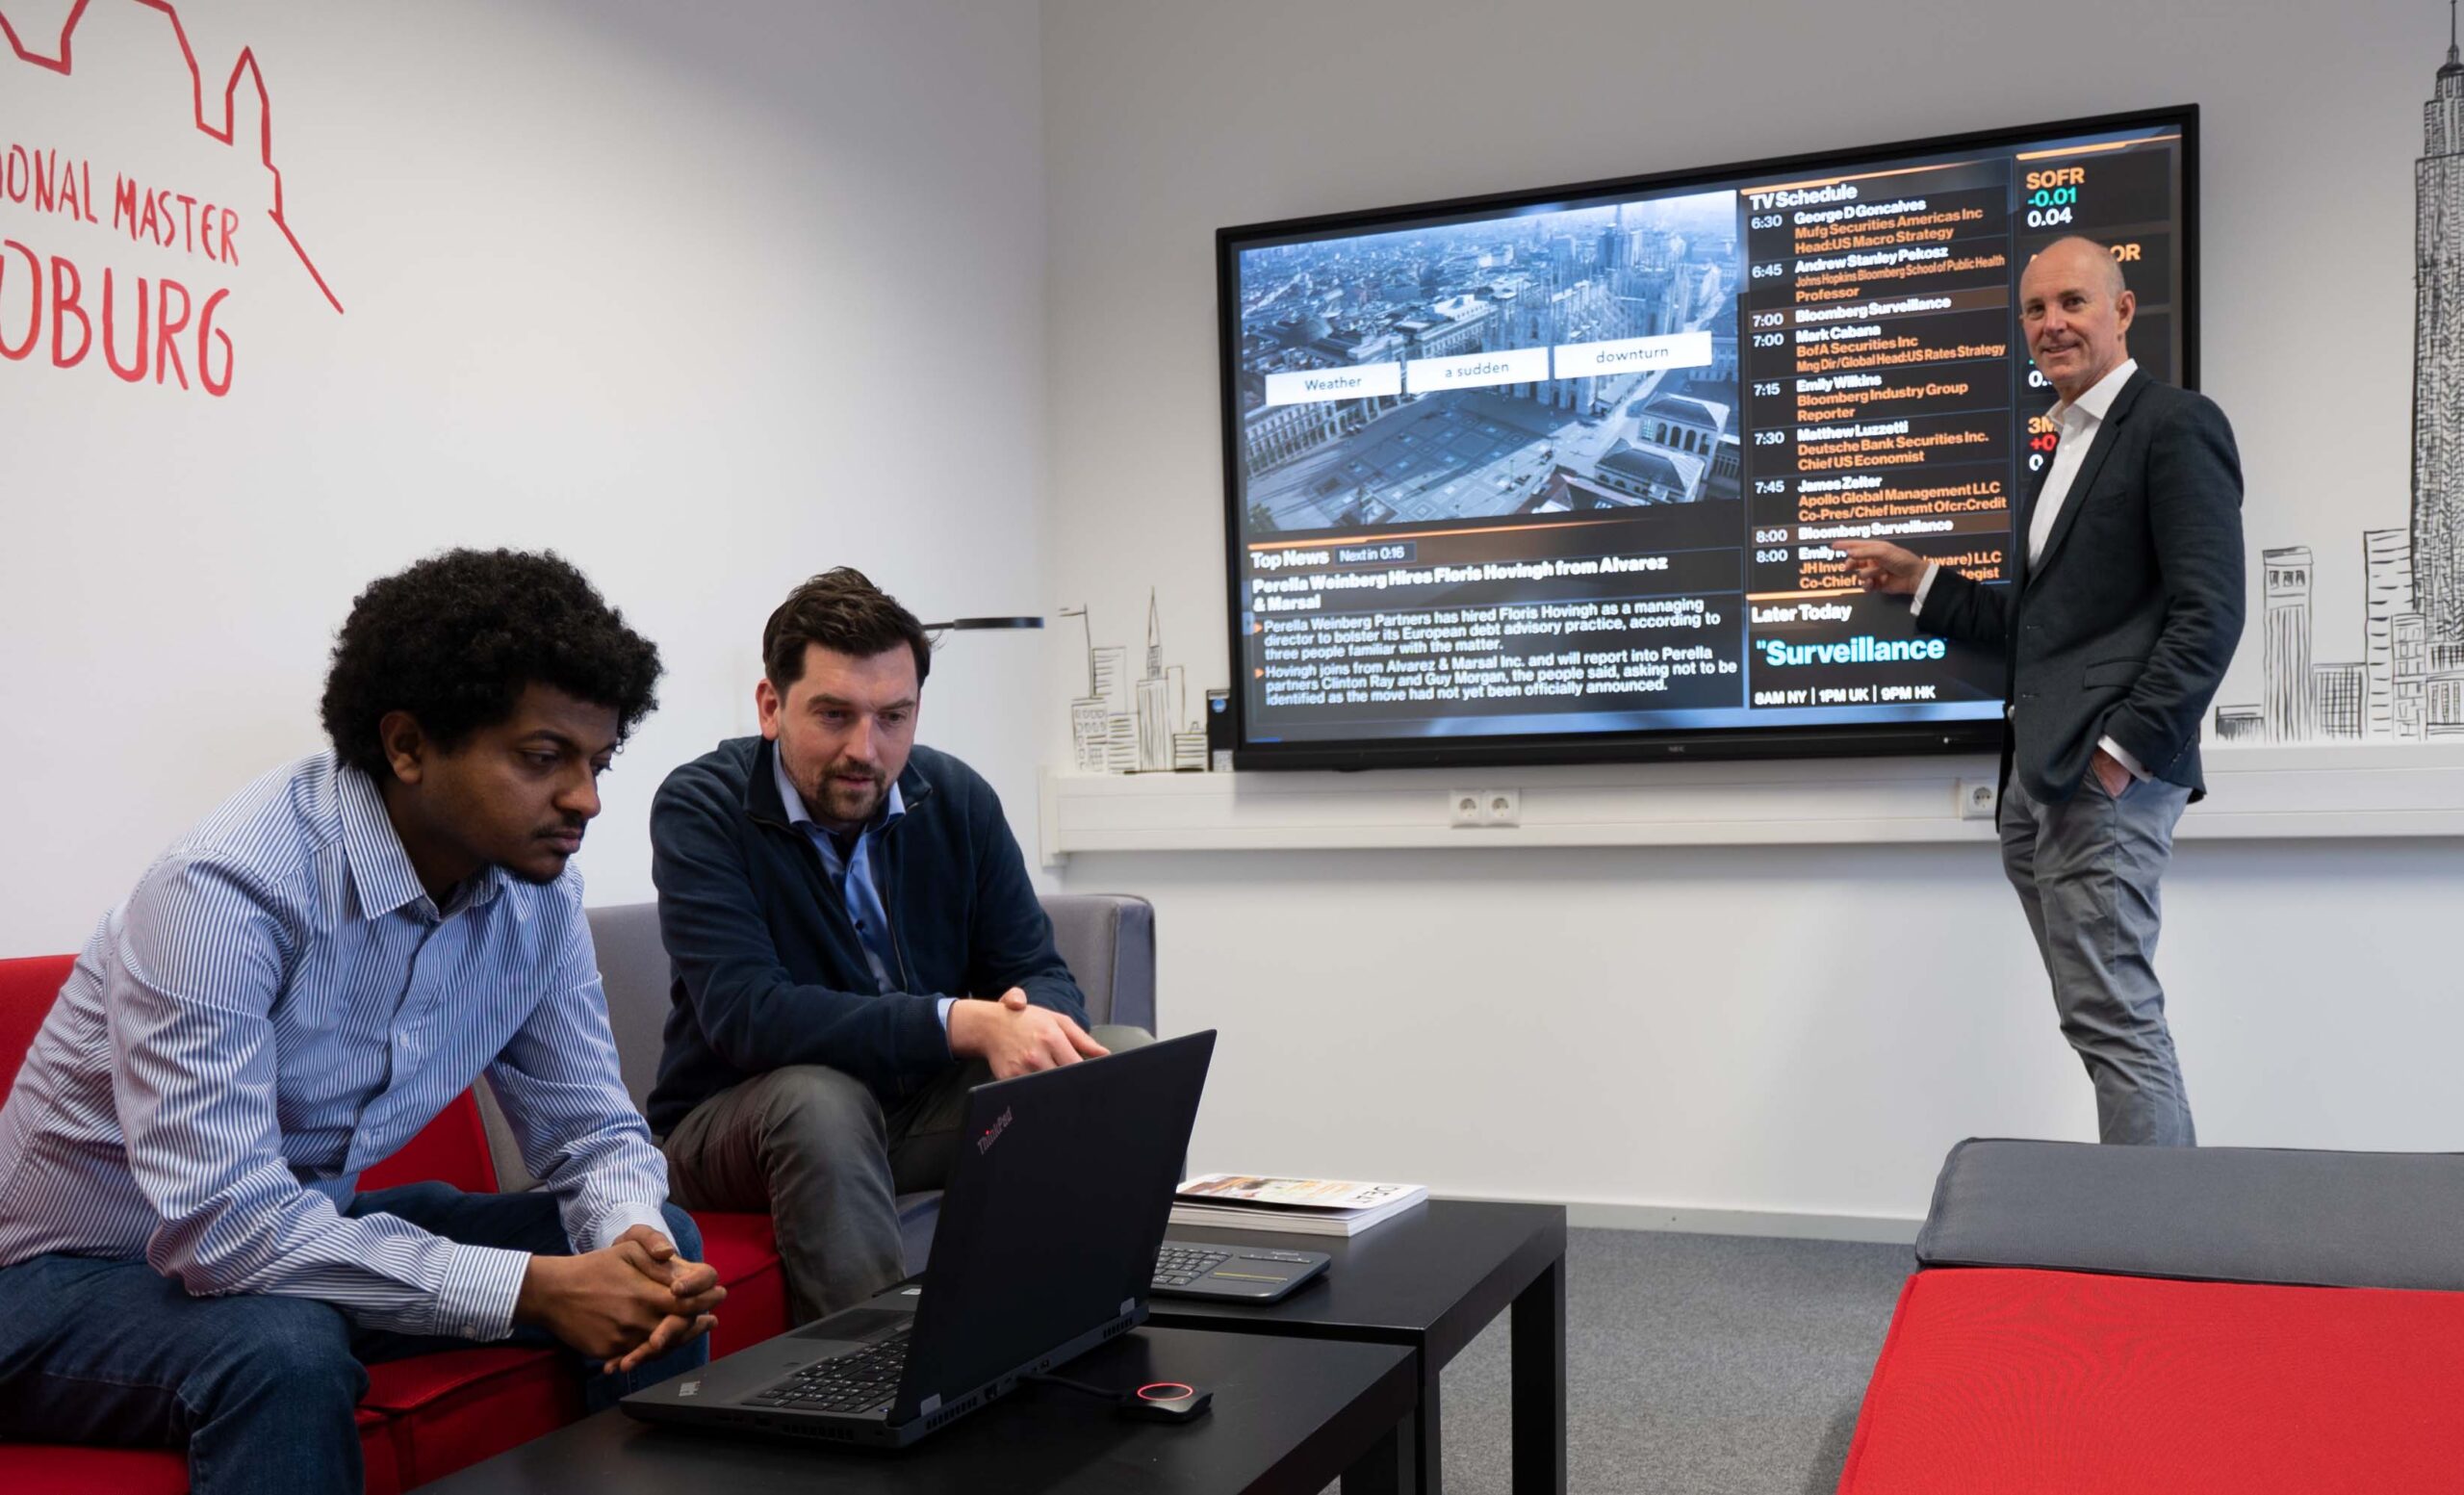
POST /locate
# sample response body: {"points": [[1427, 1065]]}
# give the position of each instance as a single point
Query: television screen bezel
{"points": [[1847, 739]]}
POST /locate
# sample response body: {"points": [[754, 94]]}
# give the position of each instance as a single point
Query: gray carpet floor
{"points": [[1696, 1364]]}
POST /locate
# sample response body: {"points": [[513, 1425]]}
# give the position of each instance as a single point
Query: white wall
{"points": [[712, 297], [1759, 1029], [707, 297]]}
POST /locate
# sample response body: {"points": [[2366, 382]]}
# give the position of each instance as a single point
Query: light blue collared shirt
{"points": [[851, 873], [277, 1006]]}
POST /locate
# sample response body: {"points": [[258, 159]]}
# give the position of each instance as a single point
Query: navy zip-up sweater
{"points": [[767, 968]]}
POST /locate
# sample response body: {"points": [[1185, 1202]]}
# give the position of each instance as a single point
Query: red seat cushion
{"points": [[27, 990], [60, 1469], [745, 1248], [451, 1409], [2020, 1382], [378, 1459], [65, 1469], [452, 1149]]}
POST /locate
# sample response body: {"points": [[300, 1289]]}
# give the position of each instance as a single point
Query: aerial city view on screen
{"points": [[1406, 377]]}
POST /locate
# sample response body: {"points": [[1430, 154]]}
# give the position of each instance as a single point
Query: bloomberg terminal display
{"points": [[1553, 476]]}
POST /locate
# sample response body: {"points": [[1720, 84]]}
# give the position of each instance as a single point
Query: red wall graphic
{"points": [[63, 310]]}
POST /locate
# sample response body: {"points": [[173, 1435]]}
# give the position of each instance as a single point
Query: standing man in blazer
{"points": [[2123, 607]]}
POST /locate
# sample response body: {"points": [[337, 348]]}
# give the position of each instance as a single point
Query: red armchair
{"points": [[424, 1417]]}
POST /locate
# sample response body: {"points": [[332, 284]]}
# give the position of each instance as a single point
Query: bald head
{"points": [[2076, 313], [2095, 258]]}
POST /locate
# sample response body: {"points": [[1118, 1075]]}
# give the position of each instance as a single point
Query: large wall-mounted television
{"points": [[1551, 476]]}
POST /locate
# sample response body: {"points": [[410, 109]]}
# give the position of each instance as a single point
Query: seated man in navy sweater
{"points": [[855, 943]]}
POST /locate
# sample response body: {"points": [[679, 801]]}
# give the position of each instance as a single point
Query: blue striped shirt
{"points": [[278, 1005]]}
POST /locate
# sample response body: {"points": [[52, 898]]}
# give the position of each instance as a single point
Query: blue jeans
{"points": [[261, 1388]]}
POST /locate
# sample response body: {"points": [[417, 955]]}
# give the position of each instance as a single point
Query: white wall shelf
{"points": [[2255, 794]]}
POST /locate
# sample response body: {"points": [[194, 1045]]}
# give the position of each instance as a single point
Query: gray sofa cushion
{"points": [[2206, 1214], [633, 970], [1108, 942]]}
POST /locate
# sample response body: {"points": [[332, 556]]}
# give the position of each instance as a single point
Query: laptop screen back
{"points": [[1054, 1212]]}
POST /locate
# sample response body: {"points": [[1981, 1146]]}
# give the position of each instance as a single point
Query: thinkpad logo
{"points": [[992, 1133]]}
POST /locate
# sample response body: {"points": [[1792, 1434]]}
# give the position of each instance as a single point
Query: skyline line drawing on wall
{"points": [[65, 63], [1122, 725], [2408, 686]]}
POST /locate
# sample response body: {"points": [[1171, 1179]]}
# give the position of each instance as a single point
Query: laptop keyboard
{"points": [[864, 1379], [861, 1381], [1178, 1266]]}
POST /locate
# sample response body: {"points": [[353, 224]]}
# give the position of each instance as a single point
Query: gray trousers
{"points": [[813, 1147], [2087, 871]]}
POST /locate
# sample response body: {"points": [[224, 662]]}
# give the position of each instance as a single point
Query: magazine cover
{"points": [[1294, 1193]]}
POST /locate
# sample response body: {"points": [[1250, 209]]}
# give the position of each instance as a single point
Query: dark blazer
{"points": [[768, 968], [2123, 627]]}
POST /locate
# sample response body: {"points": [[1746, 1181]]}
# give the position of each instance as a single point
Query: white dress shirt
{"points": [[2078, 421]]}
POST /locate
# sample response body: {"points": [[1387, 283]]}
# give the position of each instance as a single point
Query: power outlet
{"points": [[1978, 799], [1463, 807], [1501, 806]]}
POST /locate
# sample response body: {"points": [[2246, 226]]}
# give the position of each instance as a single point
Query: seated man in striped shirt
{"points": [[290, 993]]}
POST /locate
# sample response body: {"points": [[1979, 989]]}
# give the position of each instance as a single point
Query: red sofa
{"points": [[2196, 1321], [2033, 1383], [424, 1417]]}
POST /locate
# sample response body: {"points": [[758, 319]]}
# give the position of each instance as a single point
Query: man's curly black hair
{"points": [[456, 638]]}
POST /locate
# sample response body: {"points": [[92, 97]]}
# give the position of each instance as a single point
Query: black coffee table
{"points": [[1431, 1278], [1290, 1416]]}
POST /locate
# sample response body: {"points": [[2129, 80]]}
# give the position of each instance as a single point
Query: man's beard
{"points": [[850, 802]]}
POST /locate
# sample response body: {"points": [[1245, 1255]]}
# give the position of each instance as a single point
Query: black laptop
{"points": [[1255, 1275], [1046, 1246]]}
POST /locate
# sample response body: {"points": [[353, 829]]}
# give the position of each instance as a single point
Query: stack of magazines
{"points": [[1305, 1206]]}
